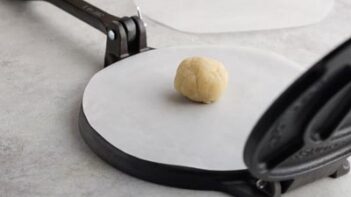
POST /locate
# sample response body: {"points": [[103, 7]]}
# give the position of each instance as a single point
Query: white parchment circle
{"points": [[133, 105], [208, 16]]}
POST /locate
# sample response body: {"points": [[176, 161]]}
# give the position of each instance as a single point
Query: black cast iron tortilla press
{"points": [[304, 136]]}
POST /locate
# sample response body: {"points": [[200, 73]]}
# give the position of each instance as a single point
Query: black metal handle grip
{"points": [[126, 36], [86, 12]]}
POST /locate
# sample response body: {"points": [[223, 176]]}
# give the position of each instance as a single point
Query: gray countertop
{"points": [[47, 58]]}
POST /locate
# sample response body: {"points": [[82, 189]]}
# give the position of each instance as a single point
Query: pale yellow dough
{"points": [[201, 79]]}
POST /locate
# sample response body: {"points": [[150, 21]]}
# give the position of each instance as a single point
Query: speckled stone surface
{"points": [[47, 58]]}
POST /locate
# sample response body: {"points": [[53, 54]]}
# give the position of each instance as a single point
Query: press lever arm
{"points": [[125, 36]]}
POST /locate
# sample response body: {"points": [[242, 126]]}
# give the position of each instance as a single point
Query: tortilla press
{"points": [[304, 136]]}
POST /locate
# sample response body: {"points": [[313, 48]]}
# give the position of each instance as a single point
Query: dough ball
{"points": [[201, 79]]}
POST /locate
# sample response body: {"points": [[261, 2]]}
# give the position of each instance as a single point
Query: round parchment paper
{"points": [[208, 16], [133, 105]]}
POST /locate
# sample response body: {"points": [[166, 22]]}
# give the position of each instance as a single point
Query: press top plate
{"points": [[308, 129]]}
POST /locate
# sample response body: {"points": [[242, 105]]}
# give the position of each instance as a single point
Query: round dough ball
{"points": [[201, 79]]}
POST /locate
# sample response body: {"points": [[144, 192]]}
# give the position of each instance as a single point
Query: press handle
{"points": [[126, 36], [86, 12]]}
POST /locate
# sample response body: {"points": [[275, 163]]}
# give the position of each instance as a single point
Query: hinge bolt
{"points": [[260, 184], [111, 35]]}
